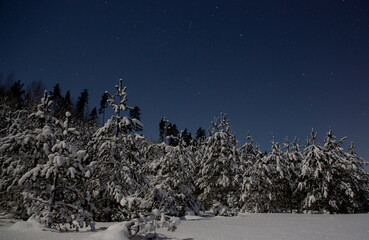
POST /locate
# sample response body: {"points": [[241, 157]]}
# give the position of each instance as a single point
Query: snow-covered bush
{"points": [[149, 222]]}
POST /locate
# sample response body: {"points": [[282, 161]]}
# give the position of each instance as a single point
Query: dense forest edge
{"points": [[62, 168]]}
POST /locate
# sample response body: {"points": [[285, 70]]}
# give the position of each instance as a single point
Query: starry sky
{"points": [[277, 68]]}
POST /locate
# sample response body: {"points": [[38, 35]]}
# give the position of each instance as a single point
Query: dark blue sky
{"points": [[275, 67]]}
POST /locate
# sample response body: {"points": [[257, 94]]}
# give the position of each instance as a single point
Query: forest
{"points": [[62, 167]]}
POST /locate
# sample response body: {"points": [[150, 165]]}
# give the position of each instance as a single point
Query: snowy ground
{"points": [[245, 226]]}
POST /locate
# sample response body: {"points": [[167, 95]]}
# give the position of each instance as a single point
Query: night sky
{"points": [[277, 68]]}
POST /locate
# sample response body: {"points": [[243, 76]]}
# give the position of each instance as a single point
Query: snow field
{"points": [[244, 226]]}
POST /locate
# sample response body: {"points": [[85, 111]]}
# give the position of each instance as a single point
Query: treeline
{"points": [[17, 96], [61, 171]]}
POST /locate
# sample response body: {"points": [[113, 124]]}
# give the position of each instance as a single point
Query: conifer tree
{"points": [[93, 116], [172, 136], [163, 128], [293, 157], [33, 95], [135, 113], [332, 180], [67, 103], [58, 100], [103, 105], [200, 134], [43, 165], [15, 95], [219, 178], [115, 167], [81, 105], [267, 188], [173, 183]]}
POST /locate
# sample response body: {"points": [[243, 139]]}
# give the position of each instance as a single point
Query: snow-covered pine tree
{"points": [[359, 202], [56, 197], [314, 177], [11, 163], [348, 183], [255, 191], [18, 154], [45, 167], [332, 180], [173, 183], [293, 157], [219, 177], [115, 168], [267, 188], [248, 155]]}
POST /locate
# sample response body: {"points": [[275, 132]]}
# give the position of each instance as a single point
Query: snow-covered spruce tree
{"points": [[254, 191], [248, 151], [115, 168], [219, 178], [314, 177], [359, 202], [18, 154], [332, 180], [349, 182], [198, 149], [293, 157], [47, 169], [12, 157], [267, 188], [173, 183], [249, 155]]}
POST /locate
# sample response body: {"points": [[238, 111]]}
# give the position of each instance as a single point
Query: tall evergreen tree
{"points": [[103, 105], [93, 116], [67, 103], [172, 132], [33, 95], [219, 178], [186, 137], [163, 128], [200, 136], [58, 100], [115, 167], [44, 167], [173, 183], [267, 188], [135, 113], [15, 95], [332, 180], [81, 105]]}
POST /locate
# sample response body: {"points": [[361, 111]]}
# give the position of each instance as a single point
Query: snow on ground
{"points": [[244, 226]]}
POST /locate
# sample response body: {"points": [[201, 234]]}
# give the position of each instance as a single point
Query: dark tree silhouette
{"points": [[57, 99], [135, 113], [67, 103], [172, 133], [15, 95], [200, 134], [186, 137], [81, 104], [93, 116], [103, 105], [33, 94], [163, 127]]}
